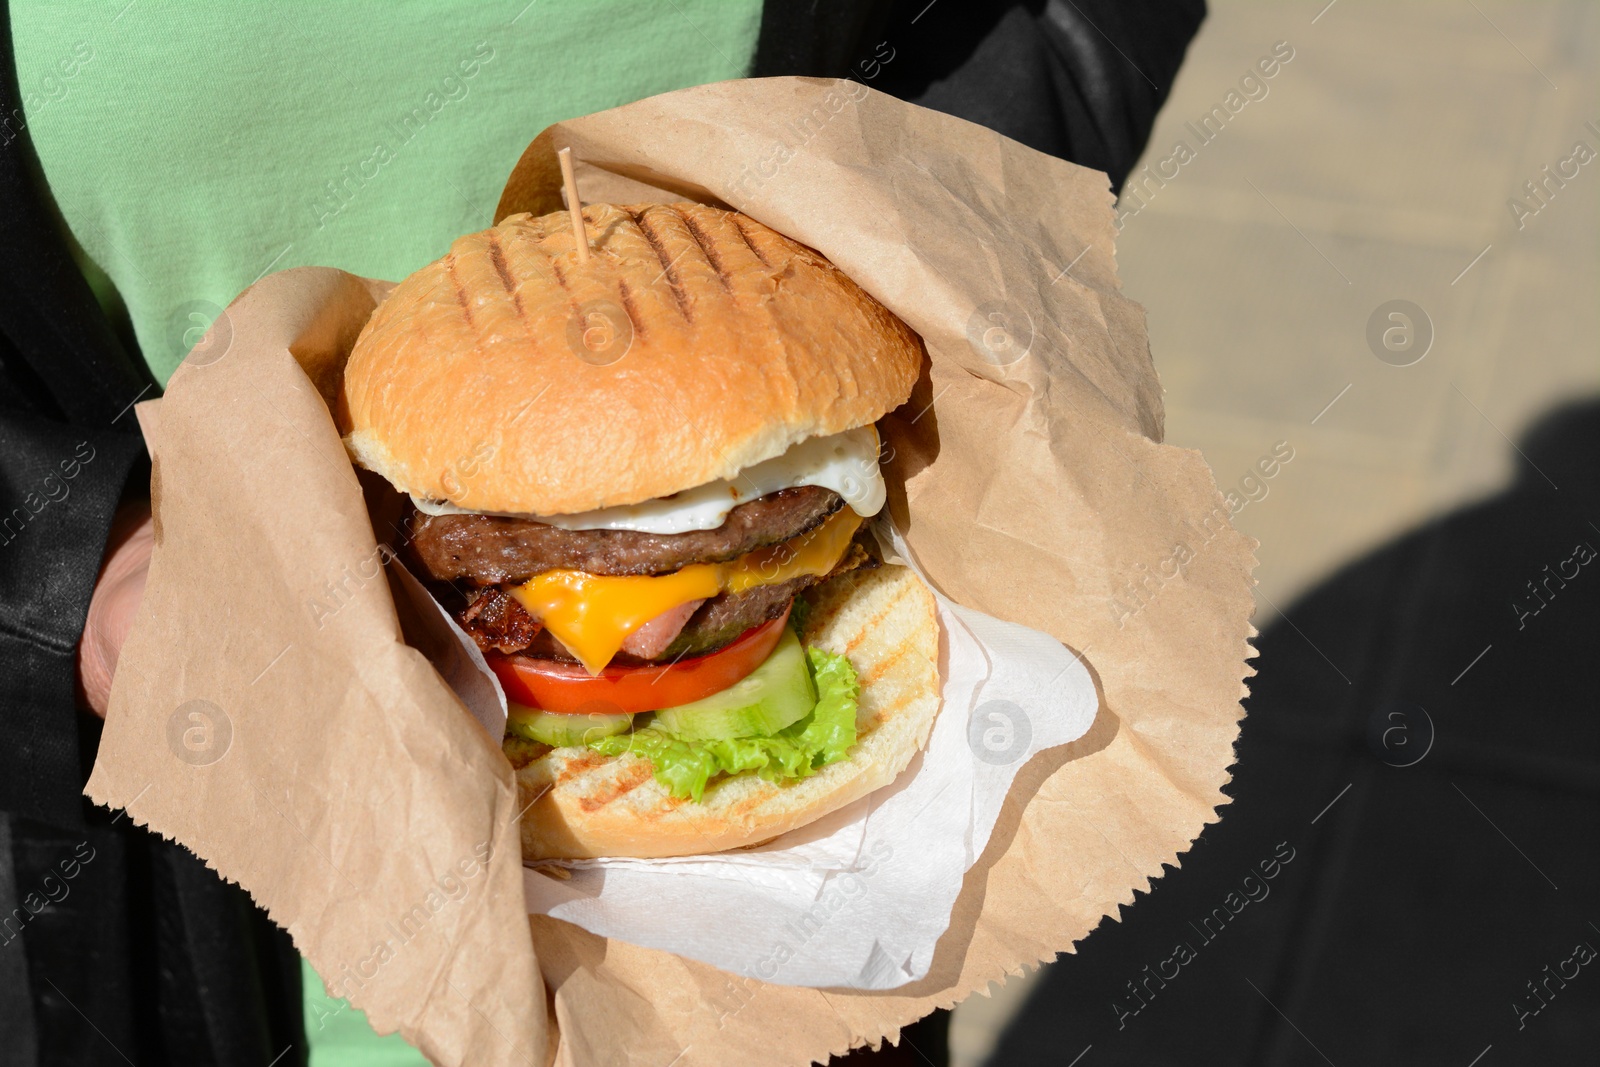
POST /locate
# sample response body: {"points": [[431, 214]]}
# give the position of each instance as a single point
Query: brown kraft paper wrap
{"points": [[270, 715]]}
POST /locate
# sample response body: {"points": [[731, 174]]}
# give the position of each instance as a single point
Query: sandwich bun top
{"points": [[506, 377]]}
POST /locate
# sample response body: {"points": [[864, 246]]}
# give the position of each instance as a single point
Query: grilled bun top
{"points": [[507, 377]]}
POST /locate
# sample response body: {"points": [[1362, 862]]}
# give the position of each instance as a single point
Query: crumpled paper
{"points": [[268, 713]]}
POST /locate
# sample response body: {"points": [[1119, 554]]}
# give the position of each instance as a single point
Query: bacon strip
{"points": [[498, 622]]}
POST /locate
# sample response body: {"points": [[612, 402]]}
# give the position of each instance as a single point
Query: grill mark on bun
{"points": [[871, 627], [635, 317], [743, 808], [461, 293], [744, 235], [887, 662], [707, 244], [581, 765], [669, 267], [626, 782], [572, 298], [891, 710], [497, 256]]}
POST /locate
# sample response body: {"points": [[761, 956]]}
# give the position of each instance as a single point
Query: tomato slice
{"points": [[569, 688]]}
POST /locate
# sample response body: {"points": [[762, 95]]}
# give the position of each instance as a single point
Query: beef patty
{"points": [[499, 623], [492, 550]]}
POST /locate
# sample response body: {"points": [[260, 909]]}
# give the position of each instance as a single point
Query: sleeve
{"points": [[68, 447], [1079, 79], [61, 485]]}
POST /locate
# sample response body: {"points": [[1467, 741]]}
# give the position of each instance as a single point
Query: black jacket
{"points": [[118, 947]]}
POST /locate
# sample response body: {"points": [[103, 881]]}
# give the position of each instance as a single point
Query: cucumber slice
{"points": [[562, 730], [776, 694]]}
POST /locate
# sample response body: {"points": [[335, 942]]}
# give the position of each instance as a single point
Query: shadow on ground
{"points": [[1419, 774]]}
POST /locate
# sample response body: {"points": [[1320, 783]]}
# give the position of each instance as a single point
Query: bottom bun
{"points": [[581, 804]]}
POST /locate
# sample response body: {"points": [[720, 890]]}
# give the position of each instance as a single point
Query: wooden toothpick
{"points": [[571, 185]]}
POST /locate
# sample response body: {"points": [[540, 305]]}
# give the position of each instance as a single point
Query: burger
{"points": [[641, 476]]}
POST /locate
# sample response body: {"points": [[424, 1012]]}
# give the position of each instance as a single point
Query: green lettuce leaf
{"points": [[797, 751]]}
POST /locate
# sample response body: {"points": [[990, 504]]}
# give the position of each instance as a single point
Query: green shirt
{"points": [[193, 148]]}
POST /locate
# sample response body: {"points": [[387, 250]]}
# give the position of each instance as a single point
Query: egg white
{"points": [[845, 462]]}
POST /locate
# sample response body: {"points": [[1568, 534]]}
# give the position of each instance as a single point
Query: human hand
{"points": [[117, 593]]}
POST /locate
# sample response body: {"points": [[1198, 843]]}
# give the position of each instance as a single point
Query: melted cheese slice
{"points": [[814, 552], [593, 614]]}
